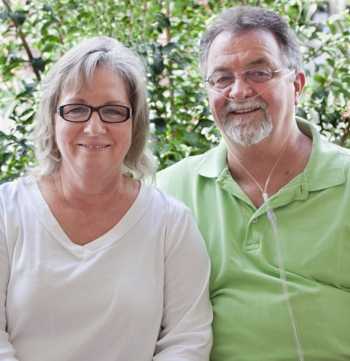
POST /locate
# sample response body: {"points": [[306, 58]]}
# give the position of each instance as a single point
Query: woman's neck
{"points": [[80, 191]]}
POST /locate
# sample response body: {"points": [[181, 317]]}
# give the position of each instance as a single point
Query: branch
{"points": [[23, 39], [346, 135]]}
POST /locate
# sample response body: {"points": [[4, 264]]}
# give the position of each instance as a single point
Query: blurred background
{"points": [[166, 34]]}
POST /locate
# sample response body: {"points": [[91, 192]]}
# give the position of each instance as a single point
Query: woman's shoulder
{"points": [[8, 190], [165, 202], [174, 217], [14, 192], [17, 185]]}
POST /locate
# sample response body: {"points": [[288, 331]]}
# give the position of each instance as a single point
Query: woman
{"points": [[94, 264]]}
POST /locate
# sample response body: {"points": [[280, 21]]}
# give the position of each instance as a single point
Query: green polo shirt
{"points": [[251, 321]]}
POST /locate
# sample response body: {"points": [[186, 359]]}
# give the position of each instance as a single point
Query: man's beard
{"points": [[246, 129]]}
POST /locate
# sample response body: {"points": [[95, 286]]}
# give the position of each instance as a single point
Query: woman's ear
{"points": [[299, 83]]}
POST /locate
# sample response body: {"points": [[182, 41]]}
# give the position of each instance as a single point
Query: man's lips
{"points": [[244, 110]]}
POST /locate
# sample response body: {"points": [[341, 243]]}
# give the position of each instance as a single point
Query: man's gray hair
{"points": [[245, 18], [74, 70]]}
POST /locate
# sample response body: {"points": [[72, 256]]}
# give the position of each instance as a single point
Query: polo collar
{"points": [[328, 162], [325, 168], [214, 161]]}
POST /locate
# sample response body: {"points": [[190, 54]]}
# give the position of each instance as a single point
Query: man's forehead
{"points": [[247, 48]]}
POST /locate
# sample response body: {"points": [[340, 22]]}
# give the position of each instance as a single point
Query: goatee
{"points": [[247, 130]]}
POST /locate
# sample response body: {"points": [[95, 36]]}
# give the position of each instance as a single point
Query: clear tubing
{"points": [[273, 221], [283, 277]]}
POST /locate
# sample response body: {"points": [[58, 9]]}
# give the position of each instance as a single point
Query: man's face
{"points": [[249, 111]]}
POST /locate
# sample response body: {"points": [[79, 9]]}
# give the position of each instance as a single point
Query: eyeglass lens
{"points": [[82, 112]]}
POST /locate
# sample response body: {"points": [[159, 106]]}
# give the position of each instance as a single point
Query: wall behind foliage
{"points": [[165, 33]]}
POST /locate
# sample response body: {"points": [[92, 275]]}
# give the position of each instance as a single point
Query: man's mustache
{"points": [[249, 105]]}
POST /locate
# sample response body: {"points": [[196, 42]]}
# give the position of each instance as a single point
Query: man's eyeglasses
{"points": [[79, 113], [220, 81]]}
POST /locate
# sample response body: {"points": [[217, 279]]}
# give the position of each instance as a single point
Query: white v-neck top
{"points": [[137, 293]]}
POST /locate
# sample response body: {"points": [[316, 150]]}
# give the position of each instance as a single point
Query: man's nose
{"points": [[95, 125], [240, 89]]}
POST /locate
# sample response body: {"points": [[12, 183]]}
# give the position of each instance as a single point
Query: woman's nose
{"points": [[95, 125]]}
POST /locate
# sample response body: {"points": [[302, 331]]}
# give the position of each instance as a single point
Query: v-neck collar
{"points": [[108, 239]]}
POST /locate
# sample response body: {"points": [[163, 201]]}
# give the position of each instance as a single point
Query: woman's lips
{"points": [[94, 146]]}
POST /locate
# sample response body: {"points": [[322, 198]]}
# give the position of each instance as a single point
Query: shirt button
{"points": [[255, 220]]}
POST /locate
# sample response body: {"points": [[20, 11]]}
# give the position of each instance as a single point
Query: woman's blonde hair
{"points": [[76, 68]]}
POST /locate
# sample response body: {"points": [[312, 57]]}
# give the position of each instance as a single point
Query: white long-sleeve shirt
{"points": [[137, 293]]}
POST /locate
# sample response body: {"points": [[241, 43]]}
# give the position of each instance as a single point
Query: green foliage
{"points": [[166, 34], [328, 95]]}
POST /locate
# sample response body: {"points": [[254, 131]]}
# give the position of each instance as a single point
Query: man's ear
{"points": [[299, 83]]}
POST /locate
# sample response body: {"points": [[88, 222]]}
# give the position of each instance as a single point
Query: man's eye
{"points": [[258, 75], [223, 80]]}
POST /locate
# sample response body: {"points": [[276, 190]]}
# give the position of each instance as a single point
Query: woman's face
{"points": [[94, 147]]}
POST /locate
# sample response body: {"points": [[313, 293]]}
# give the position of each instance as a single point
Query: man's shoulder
{"points": [[335, 153], [179, 177], [189, 165], [329, 166], [328, 153]]}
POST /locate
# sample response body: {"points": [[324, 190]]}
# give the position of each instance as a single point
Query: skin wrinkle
{"points": [[277, 97], [238, 129], [230, 53]]}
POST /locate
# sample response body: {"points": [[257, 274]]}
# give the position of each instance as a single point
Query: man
{"points": [[272, 201]]}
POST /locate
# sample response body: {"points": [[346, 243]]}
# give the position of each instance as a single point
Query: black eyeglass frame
{"points": [[60, 111]]}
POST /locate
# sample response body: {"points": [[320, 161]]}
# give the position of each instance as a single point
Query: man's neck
{"points": [[269, 165]]}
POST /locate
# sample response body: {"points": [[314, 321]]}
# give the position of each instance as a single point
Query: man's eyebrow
{"points": [[256, 62], [259, 61], [220, 69]]}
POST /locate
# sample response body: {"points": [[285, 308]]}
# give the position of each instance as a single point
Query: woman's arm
{"points": [[186, 325], [7, 352]]}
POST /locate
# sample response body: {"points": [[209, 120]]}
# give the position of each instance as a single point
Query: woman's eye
{"points": [[111, 111], [77, 110]]}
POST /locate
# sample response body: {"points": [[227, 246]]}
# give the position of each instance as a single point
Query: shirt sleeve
{"points": [[185, 333], [7, 352]]}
